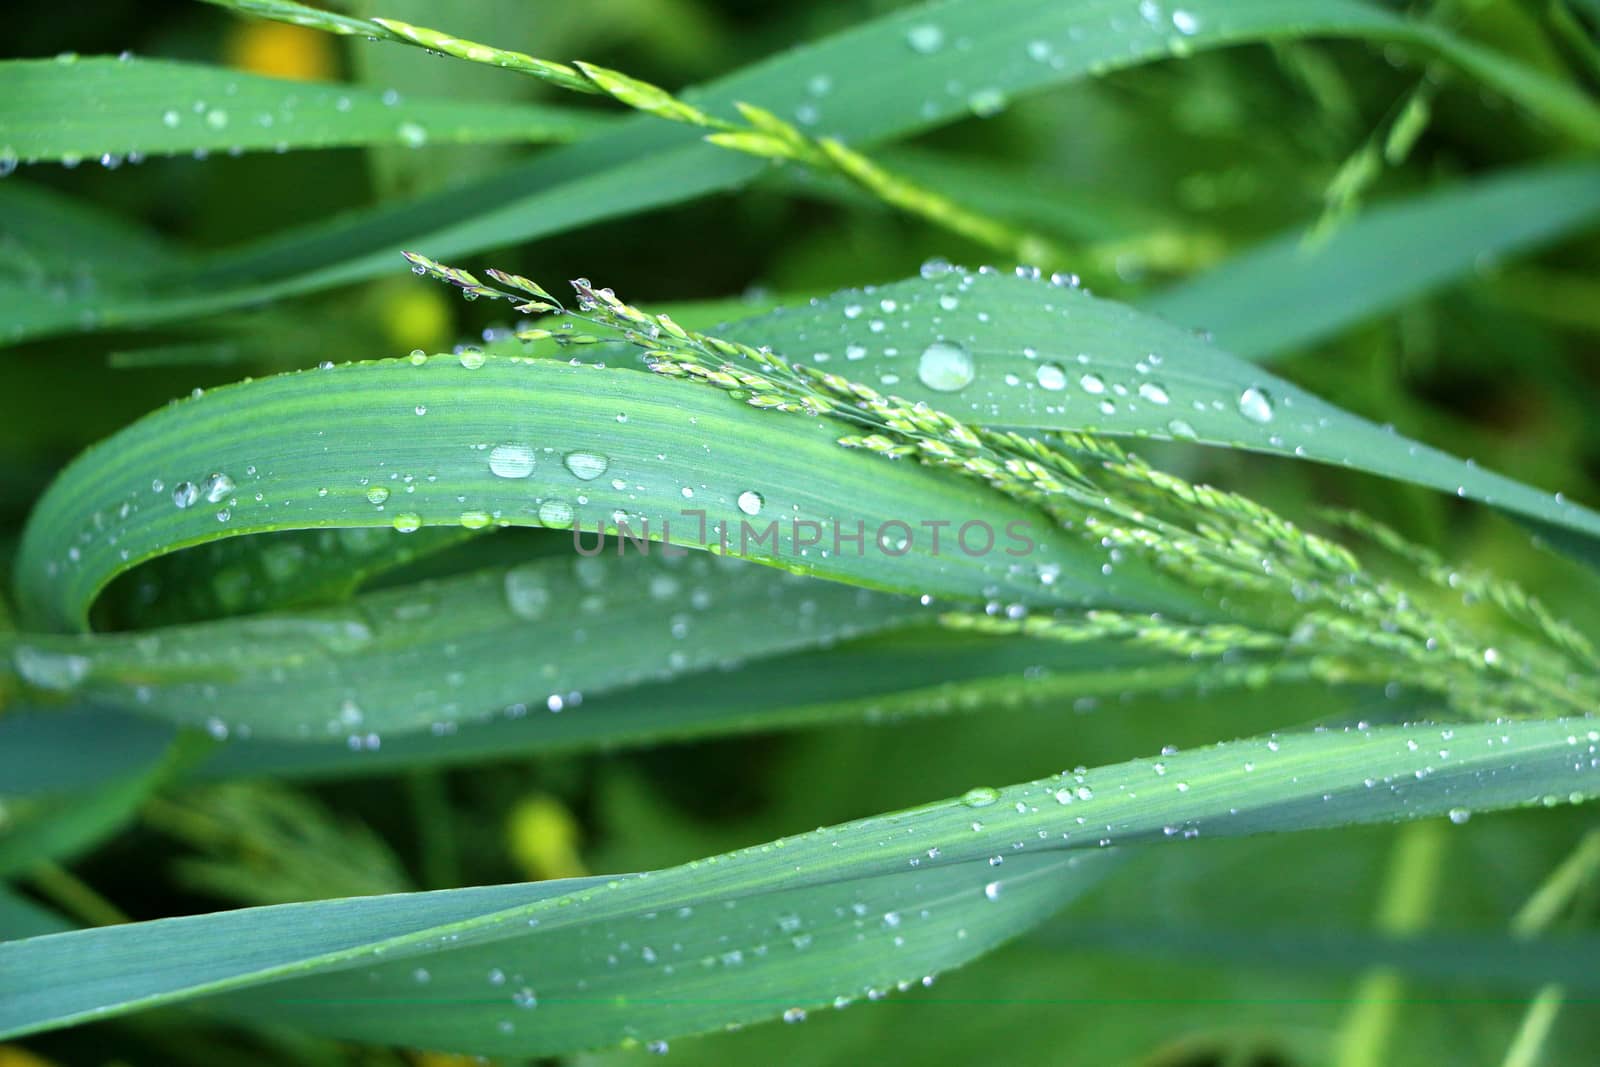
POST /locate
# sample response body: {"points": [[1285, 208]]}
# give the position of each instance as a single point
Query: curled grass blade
{"points": [[407, 444]]}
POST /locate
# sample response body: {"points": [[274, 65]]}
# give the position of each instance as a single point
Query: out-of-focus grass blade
{"points": [[890, 77], [442, 442], [110, 109], [21, 917], [1293, 290], [1015, 351], [783, 927]]}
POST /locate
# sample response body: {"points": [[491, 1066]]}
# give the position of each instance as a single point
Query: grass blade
{"points": [[110, 109], [343, 967], [1293, 291]]}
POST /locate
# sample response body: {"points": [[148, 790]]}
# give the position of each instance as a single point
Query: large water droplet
{"points": [[556, 514], [217, 487], [185, 493], [750, 502], [586, 466], [945, 367], [1256, 405], [407, 522], [1154, 392], [50, 670], [1092, 383], [377, 494], [980, 797], [511, 461], [987, 102], [925, 39], [1051, 376], [411, 134]]}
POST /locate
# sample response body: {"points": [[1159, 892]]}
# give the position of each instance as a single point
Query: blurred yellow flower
{"points": [[543, 838], [281, 50]]}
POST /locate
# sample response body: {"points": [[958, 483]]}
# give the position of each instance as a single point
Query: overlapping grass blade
{"points": [[893, 76], [112, 109], [1296, 290], [439, 654], [1014, 351], [884, 678], [520, 970]]}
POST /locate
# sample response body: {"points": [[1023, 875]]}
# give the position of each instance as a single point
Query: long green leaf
{"points": [[114, 109], [838, 913]]}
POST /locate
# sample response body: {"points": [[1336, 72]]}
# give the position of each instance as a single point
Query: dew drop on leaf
{"points": [[945, 367], [925, 39], [1051, 376], [556, 514], [586, 466], [1256, 405], [750, 502], [511, 461]]}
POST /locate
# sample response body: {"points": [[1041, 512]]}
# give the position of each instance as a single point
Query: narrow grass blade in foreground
{"points": [[784, 927]]}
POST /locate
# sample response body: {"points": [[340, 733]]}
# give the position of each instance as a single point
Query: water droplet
{"points": [[945, 367], [1154, 392], [472, 359], [217, 119], [1256, 405], [586, 466], [750, 502], [556, 514], [170, 118], [408, 522], [377, 494], [1092, 383], [925, 39], [980, 797], [1051, 376], [511, 461], [1180, 428], [411, 134], [55, 671], [992, 890], [1459, 815], [526, 593], [185, 493], [218, 486], [474, 520], [987, 102], [1185, 22]]}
